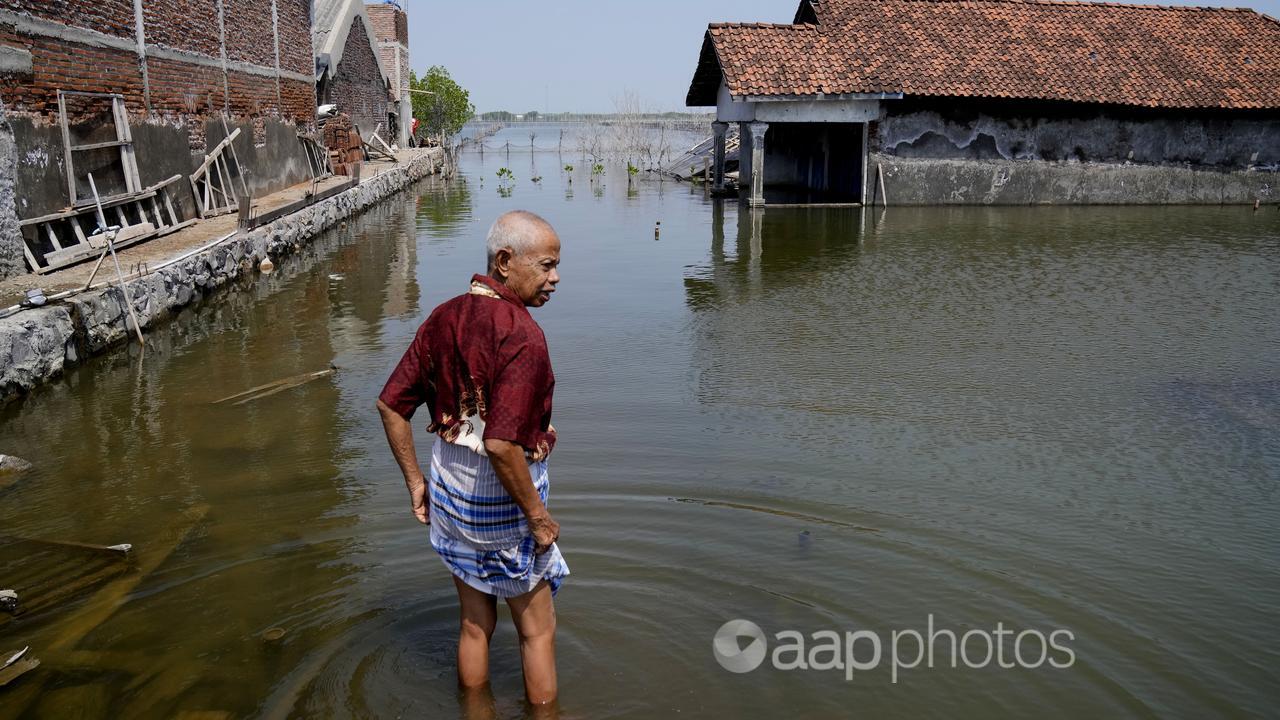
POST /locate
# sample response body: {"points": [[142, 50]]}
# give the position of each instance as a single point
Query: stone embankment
{"points": [[37, 345]]}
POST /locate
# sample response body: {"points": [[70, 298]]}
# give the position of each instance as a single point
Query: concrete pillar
{"points": [[11, 247], [757, 130], [721, 130]]}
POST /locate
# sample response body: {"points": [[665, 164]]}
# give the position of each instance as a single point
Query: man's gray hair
{"points": [[516, 230]]}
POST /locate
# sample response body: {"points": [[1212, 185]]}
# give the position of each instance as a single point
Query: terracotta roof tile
{"points": [[1141, 55]]}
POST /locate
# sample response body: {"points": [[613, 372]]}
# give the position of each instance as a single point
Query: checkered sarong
{"points": [[479, 531]]}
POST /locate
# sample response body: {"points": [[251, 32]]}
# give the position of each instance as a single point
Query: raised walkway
{"points": [[171, 272]]}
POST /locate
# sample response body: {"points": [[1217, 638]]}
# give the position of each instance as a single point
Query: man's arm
{"points": [[400, 438], [508, 462]]}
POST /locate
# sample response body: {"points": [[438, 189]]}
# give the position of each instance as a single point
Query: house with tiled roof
{"points": [[998, 102]]}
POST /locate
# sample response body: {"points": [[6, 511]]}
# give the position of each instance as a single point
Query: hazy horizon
{"points": [[523, 57]]}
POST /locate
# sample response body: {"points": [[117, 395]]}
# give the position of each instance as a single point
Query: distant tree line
{"points": [[504, 116]]}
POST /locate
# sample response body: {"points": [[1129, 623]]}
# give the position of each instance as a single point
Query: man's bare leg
{"points": [[479, 616], [535, 618]]}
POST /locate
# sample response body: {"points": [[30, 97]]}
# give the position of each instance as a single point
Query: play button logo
{"points": [[739, 646]]}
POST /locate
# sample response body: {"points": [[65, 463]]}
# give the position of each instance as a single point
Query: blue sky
{"points": [[577, 55]]}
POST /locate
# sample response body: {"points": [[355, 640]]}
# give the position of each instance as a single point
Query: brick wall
{"points": [[296, 54], [250, 33], [357, 87], [190, 25], [182, 79], [176, 92], [114, 17], [389, 23]]}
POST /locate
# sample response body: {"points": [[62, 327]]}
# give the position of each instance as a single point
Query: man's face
{"points": [[532, 274]]}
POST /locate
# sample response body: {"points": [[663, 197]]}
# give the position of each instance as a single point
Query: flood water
{"points": [[813, 419]]}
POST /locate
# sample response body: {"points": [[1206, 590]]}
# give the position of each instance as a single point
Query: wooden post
{"points": [[720, 133], [66, 148]]}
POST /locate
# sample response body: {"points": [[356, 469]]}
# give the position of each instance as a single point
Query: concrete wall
{"points": [[268, 149], [927, 181], [11, 257], [998, 152]]}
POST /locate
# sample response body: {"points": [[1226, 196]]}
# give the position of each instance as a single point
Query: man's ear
{"points": [[502, 262]]}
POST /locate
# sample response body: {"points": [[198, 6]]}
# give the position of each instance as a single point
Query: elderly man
{"points": [[481, 366]]}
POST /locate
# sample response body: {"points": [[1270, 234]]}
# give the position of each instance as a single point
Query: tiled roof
{"points": [[1142, 55]]}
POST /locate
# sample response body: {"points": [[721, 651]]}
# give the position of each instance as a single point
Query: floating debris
{"points": [[272, 388], [15, 667], [8, 601], [274, 635], [122, 549], [266, 266], [12, 464]]}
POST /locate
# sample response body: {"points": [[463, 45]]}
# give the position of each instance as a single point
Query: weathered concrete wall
{"points": [[37, 345], [1008, 152], [269, 152], [920, 181], [1230, 143], [162, 150], [11, 258]]}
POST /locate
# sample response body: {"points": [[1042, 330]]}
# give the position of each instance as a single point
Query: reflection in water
{"points": [[138, 443], [444, 209], [809, 418]]}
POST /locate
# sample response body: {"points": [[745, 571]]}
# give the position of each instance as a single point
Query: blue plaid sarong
{"points": [[478, 530]]}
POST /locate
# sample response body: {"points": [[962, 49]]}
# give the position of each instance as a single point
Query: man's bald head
{"points": [[518, 231], [524, 252]]}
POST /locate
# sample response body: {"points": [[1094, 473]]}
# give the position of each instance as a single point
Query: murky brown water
{"points": [[811, 419]]}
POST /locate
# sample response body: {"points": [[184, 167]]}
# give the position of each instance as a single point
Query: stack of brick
{"points": [[346, 150]]}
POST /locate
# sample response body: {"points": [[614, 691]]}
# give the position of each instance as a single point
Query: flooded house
{"points": [[997, 102]]}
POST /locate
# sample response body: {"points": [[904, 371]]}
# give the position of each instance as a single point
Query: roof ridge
{"points": [[1091, 3], [760, 25]]}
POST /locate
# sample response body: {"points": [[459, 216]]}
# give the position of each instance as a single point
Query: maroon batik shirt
{"points": [[479, 354]]}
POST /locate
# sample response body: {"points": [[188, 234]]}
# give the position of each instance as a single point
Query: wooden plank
{"points": [[53, 237], [168, 205], [99, 146], [236, 158], [217, 150], [124, 221], [31, 259], [195, 192], [75, 227], [71, 255], [155, 210], [228, 190], [66, 147], [130, 164]]}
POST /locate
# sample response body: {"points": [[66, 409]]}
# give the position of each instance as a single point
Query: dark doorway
{"points": [[813, 163]]}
